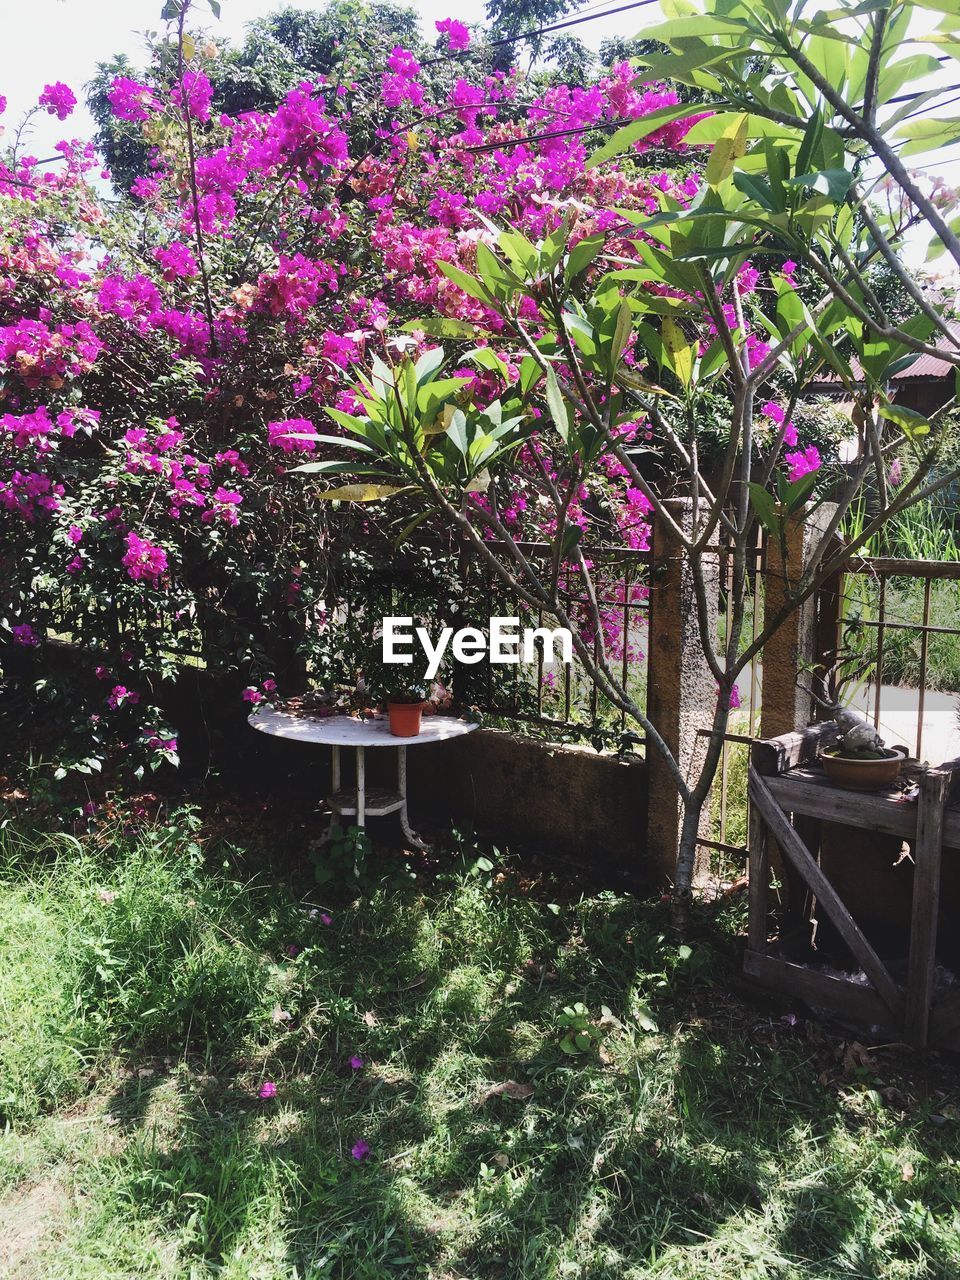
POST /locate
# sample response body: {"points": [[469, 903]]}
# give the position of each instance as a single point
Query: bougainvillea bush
{"points": [[167, 358]]}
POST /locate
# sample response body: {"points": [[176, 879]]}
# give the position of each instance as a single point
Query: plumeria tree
{"points": [[607, 333], [167, 357]]}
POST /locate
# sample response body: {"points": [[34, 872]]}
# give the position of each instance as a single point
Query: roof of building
{"points": [[924, 366]]}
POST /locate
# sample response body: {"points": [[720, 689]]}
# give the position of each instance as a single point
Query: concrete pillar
{"points": [[681, 689], [798, 644]]}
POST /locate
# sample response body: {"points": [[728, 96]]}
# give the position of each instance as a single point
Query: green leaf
{"points": [[572, 534], [336, 468], [349, 421], [433, 394], [928, 135], [495, 274], [912, 424], [457, 431], [621, 335], [642, 128], [557, 405], [429, 364], [795, 493], [524, 255], [361, 492], [756, 188], [765, 507], [833, 183], [811, 140], [727, 150], [581, 255], [679, 350], [467, 283], [644, 1018], [442, 327], [487, 358]]}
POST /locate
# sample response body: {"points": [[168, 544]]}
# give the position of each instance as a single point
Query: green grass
{"points": [[697, 1137]]}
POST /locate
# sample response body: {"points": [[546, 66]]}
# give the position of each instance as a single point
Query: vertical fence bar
{"points": [[924, 648], [627, 588], [881, 620]]}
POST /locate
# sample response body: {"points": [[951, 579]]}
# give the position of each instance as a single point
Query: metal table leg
{"points": [[327, 836], [361, 787], [408, 831]]}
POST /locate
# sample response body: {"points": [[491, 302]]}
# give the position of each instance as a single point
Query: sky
{"points": [[48, 40]]}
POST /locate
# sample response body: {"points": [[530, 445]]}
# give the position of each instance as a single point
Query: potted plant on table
{"points": [[405, 709], [861, 760]]}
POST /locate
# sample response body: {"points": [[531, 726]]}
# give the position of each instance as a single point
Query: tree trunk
{"points": [[686, 860]]}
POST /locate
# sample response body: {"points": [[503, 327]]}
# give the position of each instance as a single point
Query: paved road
{"points": [[899, 710]]}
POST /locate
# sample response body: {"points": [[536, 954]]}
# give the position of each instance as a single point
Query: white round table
{"points": [[345, 731]]}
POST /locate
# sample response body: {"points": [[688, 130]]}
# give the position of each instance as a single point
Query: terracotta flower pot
{"points": [[405, 718], [864, 774]]}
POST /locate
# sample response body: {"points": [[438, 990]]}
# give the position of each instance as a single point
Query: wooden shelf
{"points": [[787, 783], [379, 801], [811, 793]]}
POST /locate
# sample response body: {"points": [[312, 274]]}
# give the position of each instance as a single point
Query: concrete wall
{"points": [[558, 799]]}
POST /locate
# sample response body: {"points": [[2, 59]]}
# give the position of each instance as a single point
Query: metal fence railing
{"points": [[897, 623], [901, 619], [564, 696], [729, 810]]}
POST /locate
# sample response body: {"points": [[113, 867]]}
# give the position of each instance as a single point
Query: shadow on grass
{"points": [[696, 1137], [702, 1151]]}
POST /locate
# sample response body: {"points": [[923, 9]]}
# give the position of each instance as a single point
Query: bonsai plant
{"points": [[405, 709], [861, 759]]}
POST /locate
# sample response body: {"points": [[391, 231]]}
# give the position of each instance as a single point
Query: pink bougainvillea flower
{"points": [[194, 95], [895, 474], [131, 100], [802, 462], [176, 261], [356, 1062], [283, 435], [120, 694], [24, 635], [790, 434], [267, 1090], [144, 561], [458, 37], [360, 1150], [734, 701], [325, 918], [269, 686], [293, 950], [58, 99], [252, 695], [773, 411]]}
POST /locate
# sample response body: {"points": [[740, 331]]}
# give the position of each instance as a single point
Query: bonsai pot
{"points": [[863, 770], [404, 718]]}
